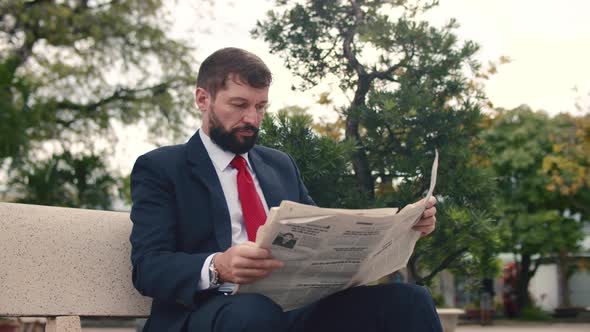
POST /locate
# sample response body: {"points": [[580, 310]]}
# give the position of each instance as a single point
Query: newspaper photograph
{"points": [[328, 250]]}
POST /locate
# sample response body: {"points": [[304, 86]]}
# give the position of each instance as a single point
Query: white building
{"points": [[544, 286]]}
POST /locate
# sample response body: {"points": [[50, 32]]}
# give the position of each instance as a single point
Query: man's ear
{"points": [[202, 99]]}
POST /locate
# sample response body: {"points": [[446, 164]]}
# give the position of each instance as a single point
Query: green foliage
{"points": [[410, 93], [568, 163], [69, 70], [125, 190], [439, 300], [465, 241], [519, 142], [379, 47], [534, 313], [321, 38], [323, 162], [66, 180], [532, 214], [62, 60], [400, 141]]}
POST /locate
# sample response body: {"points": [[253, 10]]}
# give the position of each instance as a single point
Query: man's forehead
{"points": [[236, 88]]}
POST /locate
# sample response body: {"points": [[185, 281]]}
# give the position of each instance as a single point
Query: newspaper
{"points": [[327, 250]]}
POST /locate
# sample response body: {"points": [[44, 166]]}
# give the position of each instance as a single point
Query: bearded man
{"points": [[196, 209]]}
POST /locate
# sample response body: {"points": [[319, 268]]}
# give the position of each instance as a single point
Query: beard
{"points": [[228, 140]]}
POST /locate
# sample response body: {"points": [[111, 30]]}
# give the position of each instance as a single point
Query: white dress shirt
{"points": [[228, 178]]}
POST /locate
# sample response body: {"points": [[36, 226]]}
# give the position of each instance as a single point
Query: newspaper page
{"points": [[327, 250]]}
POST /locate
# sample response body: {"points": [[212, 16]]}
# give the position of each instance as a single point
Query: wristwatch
{"points": [[214, 280]]}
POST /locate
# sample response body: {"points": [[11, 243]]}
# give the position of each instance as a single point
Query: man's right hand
{"points": [[245, 263]]}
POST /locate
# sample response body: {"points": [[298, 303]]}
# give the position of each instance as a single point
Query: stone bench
{"points": [[63, 263], [449, 318]]}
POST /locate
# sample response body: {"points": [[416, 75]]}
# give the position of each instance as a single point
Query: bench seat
{"points": [[63, 263]]}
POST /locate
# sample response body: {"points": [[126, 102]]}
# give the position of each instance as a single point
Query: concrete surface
{"points": [[66, 262], [63, 324]]}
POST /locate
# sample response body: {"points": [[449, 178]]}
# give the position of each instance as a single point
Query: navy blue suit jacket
{"points": [[180, 217]]}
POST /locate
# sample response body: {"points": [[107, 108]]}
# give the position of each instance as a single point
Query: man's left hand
{"points": [[427, 223]]}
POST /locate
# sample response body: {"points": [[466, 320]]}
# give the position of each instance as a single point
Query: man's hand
{"points": [[245, 263], [427, 223]]}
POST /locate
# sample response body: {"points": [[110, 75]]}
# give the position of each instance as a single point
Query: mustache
{"points": [[246, 127]]}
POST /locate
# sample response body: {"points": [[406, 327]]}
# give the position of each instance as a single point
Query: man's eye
{"points": [[240, 105]]}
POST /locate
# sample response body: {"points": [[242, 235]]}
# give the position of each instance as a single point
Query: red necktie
{"points": [[252, 208]]}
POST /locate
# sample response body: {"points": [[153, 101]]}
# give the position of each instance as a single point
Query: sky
{"points": [[548, 42]]}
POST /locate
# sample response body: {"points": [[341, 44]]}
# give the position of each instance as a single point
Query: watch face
{"points": [[213, 276]]}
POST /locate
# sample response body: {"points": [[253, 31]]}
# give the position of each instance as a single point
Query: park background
{"points": [[363, 93]]}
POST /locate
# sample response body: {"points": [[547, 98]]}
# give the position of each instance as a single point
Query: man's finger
{"points": [[426, 221], [254, 252], [259, 264], [429, 212], [252, 273], [423, 227], [245, 280], [426, 226], [425, 230], [431, 202]]}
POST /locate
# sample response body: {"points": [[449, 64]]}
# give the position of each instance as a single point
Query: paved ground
{"points": [[96, 329], [527, 327], [462, 328]]}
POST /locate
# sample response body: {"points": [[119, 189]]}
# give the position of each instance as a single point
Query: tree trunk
{"points": [[412, 269], [563, 288], [524, 277], [360, 162]]}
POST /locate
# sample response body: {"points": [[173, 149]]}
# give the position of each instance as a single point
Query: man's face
{"points": [[233, 117], [287, 237]]}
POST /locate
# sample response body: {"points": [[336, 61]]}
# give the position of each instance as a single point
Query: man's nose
{"points": [[252, 116]]}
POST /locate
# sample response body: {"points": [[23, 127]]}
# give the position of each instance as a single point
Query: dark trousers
{"points": [[382, 308]]}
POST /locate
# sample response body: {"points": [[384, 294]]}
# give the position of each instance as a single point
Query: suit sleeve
{"points": [[159, 271], [304, 197]]}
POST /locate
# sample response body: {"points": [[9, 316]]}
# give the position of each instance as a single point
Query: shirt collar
{"points": [[219, 156]]}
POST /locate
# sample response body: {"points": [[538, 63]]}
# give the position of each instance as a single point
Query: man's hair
{"points": [[219, 66]]}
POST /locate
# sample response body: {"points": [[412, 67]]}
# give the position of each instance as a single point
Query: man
{"points": [[196, 209], [286, 240]]}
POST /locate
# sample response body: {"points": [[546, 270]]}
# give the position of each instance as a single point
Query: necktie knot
{"points": [[238, 162]]}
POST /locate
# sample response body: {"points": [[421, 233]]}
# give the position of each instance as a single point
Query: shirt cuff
{"points": [[204, 282]]}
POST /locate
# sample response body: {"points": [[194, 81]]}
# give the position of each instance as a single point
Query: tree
{"points": [[322, 161], [568, 165], [320, 38], [69, 70], [534, 224], [568, 162], [66, 180], [410, 93]]}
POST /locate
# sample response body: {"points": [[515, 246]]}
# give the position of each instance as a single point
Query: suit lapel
{"points": [[268, 178], [202, 168]]}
